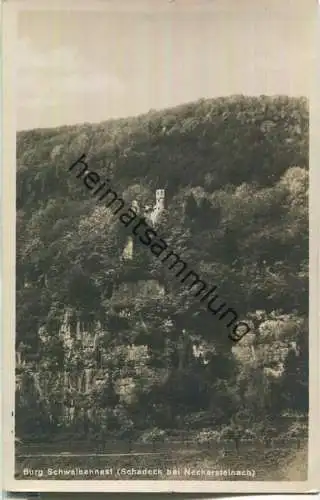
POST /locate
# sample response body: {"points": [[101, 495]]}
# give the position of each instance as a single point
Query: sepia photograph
{"points": [[159, 327]]}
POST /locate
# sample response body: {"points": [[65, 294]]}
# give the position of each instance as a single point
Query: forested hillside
{"points": [[114, 345]]}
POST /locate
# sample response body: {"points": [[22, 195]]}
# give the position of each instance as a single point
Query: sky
{"points": [[76, 66]]}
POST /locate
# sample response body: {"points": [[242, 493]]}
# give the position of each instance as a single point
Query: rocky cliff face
{"points": [[86, 362], [108, 339]]}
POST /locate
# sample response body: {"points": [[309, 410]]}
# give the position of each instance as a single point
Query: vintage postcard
{"points": [[159, 246]]}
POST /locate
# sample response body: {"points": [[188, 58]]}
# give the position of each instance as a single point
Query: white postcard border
{"points": [[10, 9]]}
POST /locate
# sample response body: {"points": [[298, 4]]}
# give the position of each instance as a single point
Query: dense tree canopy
{"points": [[107, 344]]}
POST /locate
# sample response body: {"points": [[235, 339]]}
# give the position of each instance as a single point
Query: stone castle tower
{"points": [[159, 206], [152, 216]]}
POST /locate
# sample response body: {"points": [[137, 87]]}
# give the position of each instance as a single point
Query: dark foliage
{"points": [[122, 346]]}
